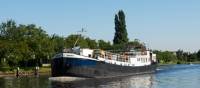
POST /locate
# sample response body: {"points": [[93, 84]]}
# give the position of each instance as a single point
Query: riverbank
{"points": [[173, 63], [26, 72]]}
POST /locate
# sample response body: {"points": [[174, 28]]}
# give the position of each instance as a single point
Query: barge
{"points": [[96, 63]]}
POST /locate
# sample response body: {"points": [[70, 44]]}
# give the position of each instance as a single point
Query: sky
{"points": [[161, 24]]}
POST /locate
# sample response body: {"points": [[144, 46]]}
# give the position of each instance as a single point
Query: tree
{"points": [[136, 44], [198, 55], [91, 43], [80, 41], [120, 36], [179, 55], [20, 42], [165, 56], [71, 39], [8, 30], [192, 57], [104, 45], [57, 43]]}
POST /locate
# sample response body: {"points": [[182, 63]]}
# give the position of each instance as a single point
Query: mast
{"points": [[79, 35]]}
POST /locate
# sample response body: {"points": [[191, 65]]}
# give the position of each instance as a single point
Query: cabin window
{"points": [[89, 55]]}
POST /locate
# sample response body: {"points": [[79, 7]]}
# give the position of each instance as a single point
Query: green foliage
{"points": [[19, 43], [136, 44], [5, 69], [176, 57], [29, 45], [121, 34], [91, 43], [166, 57], [81, 41], [57, 43], [198, 55], [104, 45]]}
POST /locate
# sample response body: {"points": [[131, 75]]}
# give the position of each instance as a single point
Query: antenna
{"points": [[79, 35], [147, 46], [82, 30]]}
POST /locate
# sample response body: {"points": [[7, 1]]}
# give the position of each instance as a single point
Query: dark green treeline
{"points": [[177, 57]]}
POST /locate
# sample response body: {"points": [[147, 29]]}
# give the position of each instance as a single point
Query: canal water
{"points": [[170, 76]]}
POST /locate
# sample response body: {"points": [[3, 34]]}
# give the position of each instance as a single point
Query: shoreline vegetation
{"points": [[46, 71], [177, 57], [161, 64], [25, 72], [27, 46]]}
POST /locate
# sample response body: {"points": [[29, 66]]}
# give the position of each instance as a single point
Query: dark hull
{"points": [[95, 69]]}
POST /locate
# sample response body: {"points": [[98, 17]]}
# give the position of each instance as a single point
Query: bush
{"points": [[4, 69]]}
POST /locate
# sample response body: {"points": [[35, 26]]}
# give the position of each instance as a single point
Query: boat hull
{"points": [[79, 67]]}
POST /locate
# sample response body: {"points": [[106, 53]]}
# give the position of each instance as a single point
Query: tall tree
{"points": [[198, 55], [121, 35]]}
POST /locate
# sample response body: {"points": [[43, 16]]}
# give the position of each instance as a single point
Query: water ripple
{"points": [[169, 76]]}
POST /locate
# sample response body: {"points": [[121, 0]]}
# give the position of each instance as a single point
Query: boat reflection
{"points": [[139, 81]]}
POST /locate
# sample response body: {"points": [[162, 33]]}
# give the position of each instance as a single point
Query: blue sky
{"points": [[162, 24]]}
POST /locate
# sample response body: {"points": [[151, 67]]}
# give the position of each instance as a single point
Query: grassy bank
{"points": [[23, 71], [173, 63]]}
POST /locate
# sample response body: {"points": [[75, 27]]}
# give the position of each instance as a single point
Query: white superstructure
{"points": [[142, 58], [131, 58]]}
